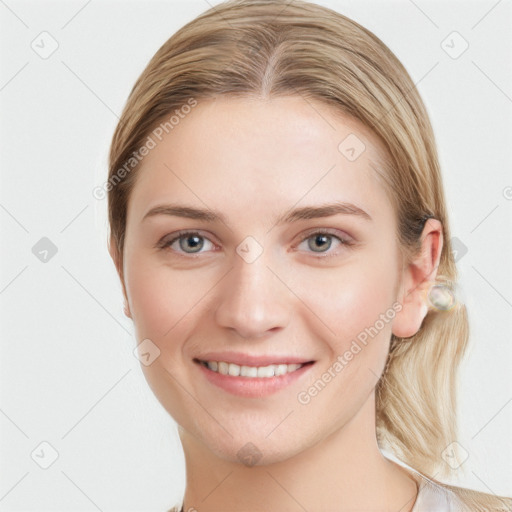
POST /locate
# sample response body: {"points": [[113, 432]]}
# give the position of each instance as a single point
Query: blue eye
{"points": [[186, 240], [191, 242], [321, 241]]}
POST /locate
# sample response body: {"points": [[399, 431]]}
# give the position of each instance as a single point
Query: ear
{"points": [[116, 257], [416, 280]]}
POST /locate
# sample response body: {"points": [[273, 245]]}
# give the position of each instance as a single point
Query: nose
{"points": [[253, 300]]}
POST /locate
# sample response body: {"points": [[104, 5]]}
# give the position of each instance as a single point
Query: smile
{"points": [[250, 381], [235, 370]]}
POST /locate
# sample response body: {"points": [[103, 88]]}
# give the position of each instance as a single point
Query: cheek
{"points": [[351, 299], [357, 306], [162, 301]]}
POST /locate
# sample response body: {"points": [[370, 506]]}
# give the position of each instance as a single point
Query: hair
{"points": [[268, 49]]}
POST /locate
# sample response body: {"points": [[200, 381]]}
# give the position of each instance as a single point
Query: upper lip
{"points": [[251, 360]]}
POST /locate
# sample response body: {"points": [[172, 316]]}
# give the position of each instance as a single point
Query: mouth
{"points": [[265, 372], [251, 380]]}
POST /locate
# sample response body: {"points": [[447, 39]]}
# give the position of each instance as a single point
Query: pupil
{"points": [[321, 240], [195, 242], [194, 245]]}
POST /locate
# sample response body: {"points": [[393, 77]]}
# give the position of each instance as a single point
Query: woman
{"points": [[279, 227]]}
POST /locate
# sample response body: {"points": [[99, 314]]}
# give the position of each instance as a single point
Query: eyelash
{"points": [[165, 244]]}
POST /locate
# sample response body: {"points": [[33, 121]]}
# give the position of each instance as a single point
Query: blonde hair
{"points": [[268, 48]]}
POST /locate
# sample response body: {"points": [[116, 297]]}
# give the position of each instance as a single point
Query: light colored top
{"points": [[433, 497]]}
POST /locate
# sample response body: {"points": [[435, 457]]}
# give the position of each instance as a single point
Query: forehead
{"points": [[235, 154]]}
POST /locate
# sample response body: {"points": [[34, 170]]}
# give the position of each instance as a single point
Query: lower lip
{"points": [[253, 387]]}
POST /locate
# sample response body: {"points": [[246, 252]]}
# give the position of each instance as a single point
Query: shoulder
{"points": [[476, 501], [435, 495]]}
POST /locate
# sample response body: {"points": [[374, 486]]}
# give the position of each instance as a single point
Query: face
{"points": [[263, 278]]}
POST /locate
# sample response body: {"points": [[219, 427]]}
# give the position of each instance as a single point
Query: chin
{"points": [[260, 452]]}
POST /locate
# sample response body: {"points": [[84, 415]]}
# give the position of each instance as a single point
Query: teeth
{"points": [[249, 371], [281, 369], [223, 368], [266, 371], [235, 370]]}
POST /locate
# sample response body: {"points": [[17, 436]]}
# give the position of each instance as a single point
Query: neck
{"points": [[345, 471]]}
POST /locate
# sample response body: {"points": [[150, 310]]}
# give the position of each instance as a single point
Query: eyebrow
{"points": [[304, 213]]}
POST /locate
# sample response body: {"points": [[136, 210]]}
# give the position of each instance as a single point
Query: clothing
{"points": [[433, 497]]}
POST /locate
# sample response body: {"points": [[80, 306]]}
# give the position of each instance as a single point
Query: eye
{"points": [[188, 242], [192, 242], [321, 241]]}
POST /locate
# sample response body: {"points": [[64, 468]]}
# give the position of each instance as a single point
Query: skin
{"points": [[253, 160]]}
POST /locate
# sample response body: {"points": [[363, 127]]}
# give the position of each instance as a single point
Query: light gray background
{"points": [[68, 375]]}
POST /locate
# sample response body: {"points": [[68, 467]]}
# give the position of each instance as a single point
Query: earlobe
{"points": [[409, 319], [417, 279]]}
